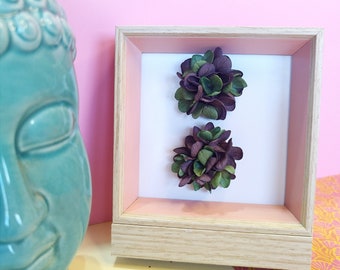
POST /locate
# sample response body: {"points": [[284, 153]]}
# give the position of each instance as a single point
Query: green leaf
{"points": [[210, 112], [216, 132], [204, 155], [175, 167], [195, 58], [207, 85], [215, 93], [207, 187], [179, 157], [225, 179], [182, 93], [184, 105], [217, 83], [196, 186], [198, 110], [198, 65], [225, 174], [198, 168], [205, 135], [209, 56], [224, 182], [239, 82], [215, 182], [212, 86], [196, 62], [180, 172], [230, 169], [236, 86]]}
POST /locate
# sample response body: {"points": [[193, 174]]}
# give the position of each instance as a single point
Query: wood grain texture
{"points": [[212, 247], [303, 130], [142, 231], [265, 219]]}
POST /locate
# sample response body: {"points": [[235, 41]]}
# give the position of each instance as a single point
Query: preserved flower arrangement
{"points": [[207, 159], [209, 85]]}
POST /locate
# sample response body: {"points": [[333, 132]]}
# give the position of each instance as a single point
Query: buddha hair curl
{"points": [[26, 25]]}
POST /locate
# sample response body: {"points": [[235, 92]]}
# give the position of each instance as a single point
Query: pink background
{"points": [[93, 23]]}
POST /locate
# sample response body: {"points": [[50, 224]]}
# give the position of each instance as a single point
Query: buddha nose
{"points": [[21, 209]]}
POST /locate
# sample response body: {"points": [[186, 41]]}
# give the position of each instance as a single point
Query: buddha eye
{"points": [[46, 129]]}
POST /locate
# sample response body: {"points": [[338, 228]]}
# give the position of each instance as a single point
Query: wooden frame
{"points": [[271, 236]]}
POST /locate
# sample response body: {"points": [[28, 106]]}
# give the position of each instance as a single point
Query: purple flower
{"points": [[209, 85], [207, 158]]}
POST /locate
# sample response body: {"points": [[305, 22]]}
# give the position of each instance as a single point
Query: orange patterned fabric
{"points": [[326, 236]]}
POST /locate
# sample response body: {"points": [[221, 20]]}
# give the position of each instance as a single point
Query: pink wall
{"points": [[93, 23]]}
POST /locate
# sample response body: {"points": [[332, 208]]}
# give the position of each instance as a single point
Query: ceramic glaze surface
{"points": [[45, 186]]}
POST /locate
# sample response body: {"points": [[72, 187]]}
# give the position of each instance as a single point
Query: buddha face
{"points": [[44, 174]]}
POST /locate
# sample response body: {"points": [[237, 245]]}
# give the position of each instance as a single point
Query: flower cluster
{"points": [[209, 85], [207, 159]]}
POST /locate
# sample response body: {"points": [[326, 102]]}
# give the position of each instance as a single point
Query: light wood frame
{"points": [[269, 236]]}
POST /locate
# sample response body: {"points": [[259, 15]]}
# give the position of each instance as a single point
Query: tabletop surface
{"points": [[95, 251], [95, 254]]}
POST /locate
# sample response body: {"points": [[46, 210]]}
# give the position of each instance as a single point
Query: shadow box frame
{"points": [[267, 236]]}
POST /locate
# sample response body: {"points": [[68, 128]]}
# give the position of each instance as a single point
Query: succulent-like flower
{"points": [[207, 159], [209, 85]]}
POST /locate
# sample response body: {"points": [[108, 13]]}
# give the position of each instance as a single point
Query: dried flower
{"points": [[209, 85], [207, 159]]}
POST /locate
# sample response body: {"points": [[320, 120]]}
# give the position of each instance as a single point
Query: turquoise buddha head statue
{"points": [[45, 189]]}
